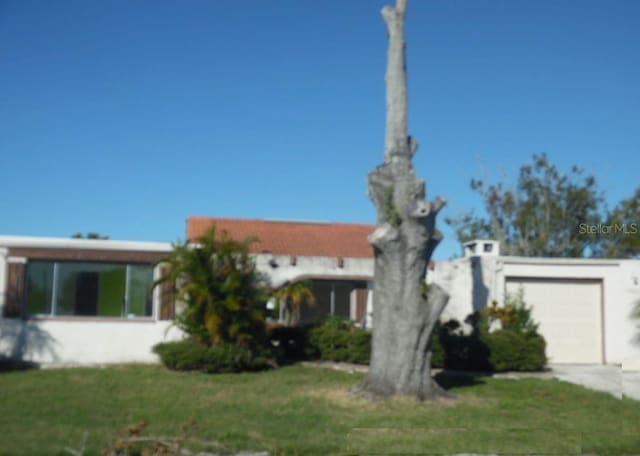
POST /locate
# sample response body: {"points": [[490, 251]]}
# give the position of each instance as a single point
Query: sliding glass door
{"points": [[89, 289]]}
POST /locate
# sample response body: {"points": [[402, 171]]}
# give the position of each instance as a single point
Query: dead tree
{"points": [[405, 310]]}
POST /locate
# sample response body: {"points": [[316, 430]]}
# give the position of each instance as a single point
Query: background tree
{"points": [[623, 238], [292, 296], [544, 215], [90, 235], [223, 293], [404, 239]]}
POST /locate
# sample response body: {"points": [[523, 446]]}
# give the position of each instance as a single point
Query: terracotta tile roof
{"points": [[292, 238]]}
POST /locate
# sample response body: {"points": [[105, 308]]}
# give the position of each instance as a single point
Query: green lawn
{"points": [[304, 411]]}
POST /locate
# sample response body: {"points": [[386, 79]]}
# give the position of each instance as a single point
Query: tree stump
{"points": [[405, 310]]}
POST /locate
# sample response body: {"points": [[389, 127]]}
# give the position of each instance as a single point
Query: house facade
{"points": [[78, 301]]}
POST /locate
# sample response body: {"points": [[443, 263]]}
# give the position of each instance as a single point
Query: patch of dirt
{"points": [[345, 398]]}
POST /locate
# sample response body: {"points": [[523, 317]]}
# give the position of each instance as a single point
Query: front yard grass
{"points": [[305, 411]]}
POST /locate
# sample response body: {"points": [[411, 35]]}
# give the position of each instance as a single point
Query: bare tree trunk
{"points": [[404, 239]]}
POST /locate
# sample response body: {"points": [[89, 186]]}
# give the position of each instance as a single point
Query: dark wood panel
{"points": [[115, 256], [15, 290], [167, 310], [361, 303]]}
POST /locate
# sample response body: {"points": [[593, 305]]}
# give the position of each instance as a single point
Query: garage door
{"points": [[569, 315]]}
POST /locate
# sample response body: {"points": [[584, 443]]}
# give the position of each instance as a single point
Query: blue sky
{"points": [[124, 117]]}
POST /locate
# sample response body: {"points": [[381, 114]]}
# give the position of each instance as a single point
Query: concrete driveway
{"points": [[610, 379]]}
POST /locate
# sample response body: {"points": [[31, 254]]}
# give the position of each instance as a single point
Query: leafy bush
{"points": [[516, 351], [517, 348], [289, 343], [192, 355], [335, 344], [337, 322], [183, 355], [514, 315], [335, 340], [464, 351]]}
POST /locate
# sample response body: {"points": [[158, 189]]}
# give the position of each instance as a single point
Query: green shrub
{"points": [[518, 348], [514, 315], [516, 351], [232, 358], [465, 352], [437, 351], [336, 340], [333, 344], [289, 343], [337, 322], [330, 343], [192, 355], [183, 355]]}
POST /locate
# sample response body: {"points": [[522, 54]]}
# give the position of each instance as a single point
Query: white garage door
{"points": [[569, 315]]}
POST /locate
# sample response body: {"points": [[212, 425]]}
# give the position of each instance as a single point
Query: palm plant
{"points": [[223, 294], [291, 296]]}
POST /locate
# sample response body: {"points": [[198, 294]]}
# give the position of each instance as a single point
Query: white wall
{"points": [[629, 342], [82, 341], [470, 282], [280, 270]]}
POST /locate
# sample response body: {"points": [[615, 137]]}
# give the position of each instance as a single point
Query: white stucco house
{"points": [[79, 301]]}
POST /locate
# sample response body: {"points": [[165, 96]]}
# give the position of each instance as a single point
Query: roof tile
{"points": [[291, 238]]}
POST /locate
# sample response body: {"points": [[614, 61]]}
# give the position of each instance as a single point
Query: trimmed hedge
{"points": [[192, 355], [502, 350], [516, 351], [465, 352], [343, 345], [290, 343], [331, 343]]}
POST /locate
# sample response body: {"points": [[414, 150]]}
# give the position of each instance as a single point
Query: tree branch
{"points": [[383, 235], [437, 298], [401, 7]]}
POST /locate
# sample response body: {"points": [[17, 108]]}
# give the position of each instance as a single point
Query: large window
{"points": [[89, 289]]}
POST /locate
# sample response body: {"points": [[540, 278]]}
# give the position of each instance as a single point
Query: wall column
{"points": [[353, 304], [368, 318], [332, 310]]}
